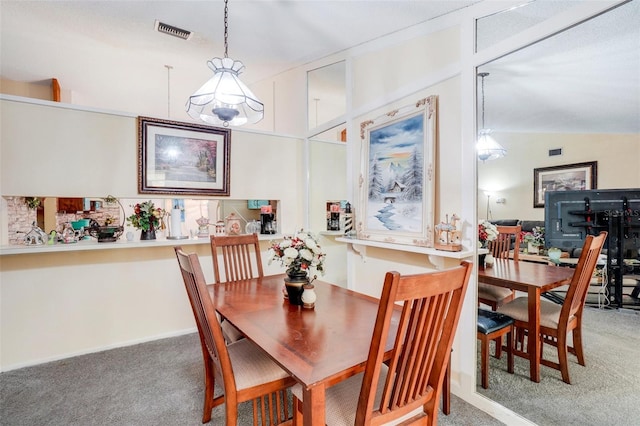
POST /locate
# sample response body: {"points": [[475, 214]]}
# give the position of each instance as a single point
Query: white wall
{"points": [[56, 305]]}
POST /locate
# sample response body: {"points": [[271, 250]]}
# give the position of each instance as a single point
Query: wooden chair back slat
{"points": [[579, 286], [501, 246], [241, 259]]}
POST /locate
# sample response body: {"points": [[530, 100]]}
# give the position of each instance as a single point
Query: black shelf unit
{"points": [[571, 215]]}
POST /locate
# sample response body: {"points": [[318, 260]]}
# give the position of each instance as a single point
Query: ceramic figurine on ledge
{"points": [[448, 236], [203, 227]]}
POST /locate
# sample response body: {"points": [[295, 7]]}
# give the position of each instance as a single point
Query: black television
{"points": [[570, 216]]}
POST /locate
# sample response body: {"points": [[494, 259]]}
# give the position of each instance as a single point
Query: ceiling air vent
{"points": [[161, 27]]}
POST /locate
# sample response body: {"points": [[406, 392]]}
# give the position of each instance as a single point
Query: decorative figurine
{"points": [[233, 224], [448, 236], [203, 227]]}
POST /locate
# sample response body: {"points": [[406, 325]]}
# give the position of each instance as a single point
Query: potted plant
{"points": [[534, 240], [146, 217]]}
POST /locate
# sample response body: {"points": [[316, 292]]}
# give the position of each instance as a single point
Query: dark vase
{"points": [[481, 259], [294, 283], [148, 235]]}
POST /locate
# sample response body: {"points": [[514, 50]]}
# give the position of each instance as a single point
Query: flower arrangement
{"points": [[487, 231], [146, 216], [535, 237], [298, 253]]}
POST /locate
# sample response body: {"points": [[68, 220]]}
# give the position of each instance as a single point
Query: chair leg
{"points": [[510, 344], [446, 390], [209, 382], [577, 345], [484, 361], [297, 412], [562, 357], [498, 352]]}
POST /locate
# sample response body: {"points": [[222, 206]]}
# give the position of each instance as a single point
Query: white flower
{"points": [[298, 253], [290, 252], [285, 243], [306, 254], [311, 244], [271, 254]]}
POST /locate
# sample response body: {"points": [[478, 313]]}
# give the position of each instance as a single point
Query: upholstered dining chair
{"points": [[491, 295], [491, 325], [243, 370], [412, 378], [556, 321], [241, 260], [494, 296]]}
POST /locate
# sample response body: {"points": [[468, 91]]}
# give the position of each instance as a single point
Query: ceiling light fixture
{"points": [[224, 99], [487, 147]]}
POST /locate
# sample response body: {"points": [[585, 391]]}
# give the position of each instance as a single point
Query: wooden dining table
{"points": [[318, 347], [533, 279]]}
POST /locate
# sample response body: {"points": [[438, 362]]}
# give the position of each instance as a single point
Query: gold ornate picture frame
{"points": [[397, 184]]}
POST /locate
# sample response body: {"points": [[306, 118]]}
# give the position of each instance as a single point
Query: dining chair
{"points": [[244, 371], [241, 260], [491, 325], [412, 377], [494, 296], [500, 248], [556, 321]]}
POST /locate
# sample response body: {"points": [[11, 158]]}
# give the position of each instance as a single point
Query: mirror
{"points": [[326, 96], [570, 98]]}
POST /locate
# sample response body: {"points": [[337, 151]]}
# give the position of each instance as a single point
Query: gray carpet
{"points": [[604, 392], [156, 383]]}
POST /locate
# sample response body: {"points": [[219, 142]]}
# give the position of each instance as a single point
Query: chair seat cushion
{"points": [[518, 309], [252, 366], [492, 292], [489, 321], [342, 398]]}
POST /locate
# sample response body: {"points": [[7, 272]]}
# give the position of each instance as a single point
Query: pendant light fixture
{"points": [[487, 147], [224, 99]]}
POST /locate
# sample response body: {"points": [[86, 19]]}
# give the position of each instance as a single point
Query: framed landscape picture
{"points": [[397, 179], [568, 177], [182, 158]]}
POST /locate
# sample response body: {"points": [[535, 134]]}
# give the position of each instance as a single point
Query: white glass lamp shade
{"points": [[487, 147], [224, 99]]}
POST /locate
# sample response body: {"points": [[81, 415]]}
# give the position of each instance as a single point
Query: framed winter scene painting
{"points": [[397, 178]]}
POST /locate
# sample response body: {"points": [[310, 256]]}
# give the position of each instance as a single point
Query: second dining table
{"points": [[318, 347], [532, 279]]}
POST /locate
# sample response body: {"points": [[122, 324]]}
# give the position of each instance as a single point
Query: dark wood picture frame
{"points": [[567, 177], [176, 158]]}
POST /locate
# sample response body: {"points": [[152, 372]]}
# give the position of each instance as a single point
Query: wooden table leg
{"points": [[533, 339], [313, 405]]}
